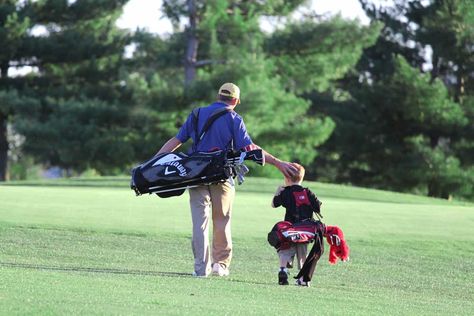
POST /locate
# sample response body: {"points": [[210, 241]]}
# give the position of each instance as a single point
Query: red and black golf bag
{"points": [[284, 233]]}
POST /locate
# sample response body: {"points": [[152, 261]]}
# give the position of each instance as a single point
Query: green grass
{"points": [[90, 247]]}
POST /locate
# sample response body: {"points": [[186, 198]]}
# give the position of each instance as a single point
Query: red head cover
{"points": [[338, 246]]}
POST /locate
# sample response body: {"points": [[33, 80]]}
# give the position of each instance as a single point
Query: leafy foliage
{"points": [[75, 121], [233, 48], [412, 114], [311, 55], [389, 105]]}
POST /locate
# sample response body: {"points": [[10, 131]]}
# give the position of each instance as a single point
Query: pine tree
{"points": [[230, 46], [77, 60], [401, 112], [414, 123], [13, 28], [448, 28]]}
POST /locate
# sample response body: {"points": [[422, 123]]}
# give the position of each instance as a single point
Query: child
{"points": [[300, 203]]}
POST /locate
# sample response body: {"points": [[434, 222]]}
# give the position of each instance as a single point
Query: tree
{"points": [[228, 43], [77, 59], [448, 28], [400, 113], [313, 54], [411, 120], [12, 29], [203, 17]]}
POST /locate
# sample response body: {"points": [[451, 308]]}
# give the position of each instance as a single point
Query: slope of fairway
{"points": [[91, 247]]}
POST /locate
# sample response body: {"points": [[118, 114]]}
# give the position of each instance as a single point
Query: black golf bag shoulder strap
{"points": [[212, 118], [195, 123]]}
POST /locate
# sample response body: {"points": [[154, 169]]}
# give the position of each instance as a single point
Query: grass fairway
{"points": [[91, 247]]}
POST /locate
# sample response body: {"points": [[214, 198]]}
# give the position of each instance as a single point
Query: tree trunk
{"points": [[192, 46], [435, 70], [460, 88], [432, 189], [4, 69], [435, 190], [3, 131], [3, 147]]}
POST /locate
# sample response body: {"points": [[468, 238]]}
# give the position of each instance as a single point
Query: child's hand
{"points": [[279, 189], [276, 201]]}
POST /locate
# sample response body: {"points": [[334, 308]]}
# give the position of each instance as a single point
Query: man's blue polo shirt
{"points": [[227, 128]]}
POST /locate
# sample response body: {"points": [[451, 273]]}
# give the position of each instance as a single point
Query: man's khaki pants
{"points": [[219, 198]]}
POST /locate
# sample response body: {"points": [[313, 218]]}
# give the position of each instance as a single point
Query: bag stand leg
{"points": [[311, 261]]}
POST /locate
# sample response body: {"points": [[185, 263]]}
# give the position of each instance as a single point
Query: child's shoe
{"points": [[283, 276], [300, 282]]}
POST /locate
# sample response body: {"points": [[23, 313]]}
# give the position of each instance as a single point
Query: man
{"points": [[227, 131]]}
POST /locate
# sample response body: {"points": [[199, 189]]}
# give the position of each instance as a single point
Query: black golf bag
{"points": [[170, 174]]}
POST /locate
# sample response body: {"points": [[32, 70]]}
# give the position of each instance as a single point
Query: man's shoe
{"points": [[220, 270], [283, 276]]}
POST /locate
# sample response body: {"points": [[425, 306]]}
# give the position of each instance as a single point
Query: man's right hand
{"points": [[286, 168]]}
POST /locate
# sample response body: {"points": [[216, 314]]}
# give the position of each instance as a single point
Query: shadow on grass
{"points": [[91, 270], [110, 271], [104, 184]]}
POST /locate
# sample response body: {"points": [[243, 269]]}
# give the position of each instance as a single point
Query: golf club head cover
{"points": [[338, 247], [254, 153]]}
